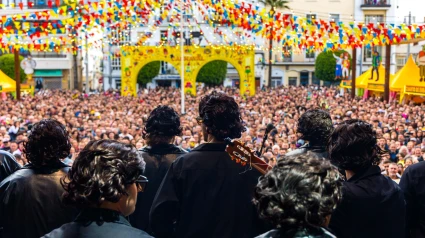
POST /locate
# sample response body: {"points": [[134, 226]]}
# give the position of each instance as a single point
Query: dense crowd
{"points": [[400, 128], [318, 175]]}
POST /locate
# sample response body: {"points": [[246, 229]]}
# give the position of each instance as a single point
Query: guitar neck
{"points": [[260, 165]]}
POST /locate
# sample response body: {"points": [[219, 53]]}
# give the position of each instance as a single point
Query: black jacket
{"points": [[413, 185], [207, 195], [320, 151], [97, 223], [372, 206], [8, 164], [158, 160], [30, 201]]}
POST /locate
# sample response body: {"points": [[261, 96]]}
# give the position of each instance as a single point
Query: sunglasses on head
{"points": [[141, 183]]}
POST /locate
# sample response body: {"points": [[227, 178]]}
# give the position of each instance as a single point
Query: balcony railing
{"points": [[47, 55], [376, 3]]}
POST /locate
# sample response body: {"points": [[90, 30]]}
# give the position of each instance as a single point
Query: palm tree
{"points": [[274, 4]]}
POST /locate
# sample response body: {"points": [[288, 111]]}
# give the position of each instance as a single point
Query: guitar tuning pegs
{"points": [[238, 161], [243, 163]]}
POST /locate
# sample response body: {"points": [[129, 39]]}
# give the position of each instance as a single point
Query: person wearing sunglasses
{"points": [[103, 183]]}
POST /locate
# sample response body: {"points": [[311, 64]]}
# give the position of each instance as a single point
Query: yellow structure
{"points": [[406, 81], [9, 85], [364, 81], [133, 58]]}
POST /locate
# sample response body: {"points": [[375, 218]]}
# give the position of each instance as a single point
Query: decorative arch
{"points": [[133, 58]]}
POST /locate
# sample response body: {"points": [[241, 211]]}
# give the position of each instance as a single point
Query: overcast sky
{"points": [[417, 7]]}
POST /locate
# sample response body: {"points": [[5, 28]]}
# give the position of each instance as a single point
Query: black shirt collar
{"points": [[163, 149], [366, 172], [211, 147], [100, 215]]}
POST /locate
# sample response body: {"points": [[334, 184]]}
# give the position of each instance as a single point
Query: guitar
{"points": [[245, 156]]}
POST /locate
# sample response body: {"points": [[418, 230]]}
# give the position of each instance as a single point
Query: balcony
{"points": [[376, 4]]}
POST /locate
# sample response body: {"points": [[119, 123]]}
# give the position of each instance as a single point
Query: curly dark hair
{"points": [[221, 116], [299, 192], [353, 146], [101, 172], [315, 126], [48, 143], [161, 126]]}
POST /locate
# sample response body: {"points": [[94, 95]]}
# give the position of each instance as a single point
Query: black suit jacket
{"points": [[372, 206], [8, 164], [206, 194], [31, 201], [97, 223], [413, 185], [158, 160]]}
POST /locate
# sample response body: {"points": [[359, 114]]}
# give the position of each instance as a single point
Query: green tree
{"points": [[213, 73], [7, 65], [274, 5], [326, 64], [148, 72]]}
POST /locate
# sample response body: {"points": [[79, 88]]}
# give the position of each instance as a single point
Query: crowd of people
{"points": [[116, 145], [400, 128]]}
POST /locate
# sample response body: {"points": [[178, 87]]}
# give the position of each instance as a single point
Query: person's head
{"points": [[105, 174], [393, 148], [126, 140], [13, 146], [352, 146], [162, 125], [299, 192], [400, 168], [392, 170], [47, 143], [315, 126], [408, 161], [220, 117]]}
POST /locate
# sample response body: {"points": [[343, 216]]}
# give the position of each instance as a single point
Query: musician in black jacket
{"points": [[160, 130], [205, 193], [315, 127], [370, 200]]}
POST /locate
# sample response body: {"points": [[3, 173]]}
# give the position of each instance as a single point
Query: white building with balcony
{"points": [[55, 70]]}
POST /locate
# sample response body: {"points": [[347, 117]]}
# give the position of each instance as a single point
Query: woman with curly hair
{"points": [[103, 182], [370, 200], [298, 196], [205, 193]]}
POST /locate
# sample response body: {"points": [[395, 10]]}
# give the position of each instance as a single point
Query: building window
{"points": [[304, 78], [368, 53], [315, 80], [292, 81], [311, 17], [287, 53], [374, 18], [164, 37], [334, 17], [116, 62], [276, 81], [120, 36], [309, 54]]}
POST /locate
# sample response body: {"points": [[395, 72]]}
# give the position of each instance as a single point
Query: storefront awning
{"points": [[47, 73]]}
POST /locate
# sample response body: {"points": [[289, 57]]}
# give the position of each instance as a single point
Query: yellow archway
{"points": [[133, 58]]}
